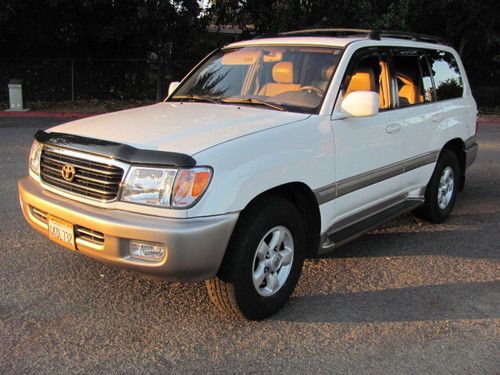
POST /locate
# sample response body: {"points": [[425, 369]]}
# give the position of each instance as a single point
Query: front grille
{"points": [[92, 179], [89, 235]]}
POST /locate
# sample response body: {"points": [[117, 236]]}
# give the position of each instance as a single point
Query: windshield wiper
{"points": [[196, 98], [256, 101]]}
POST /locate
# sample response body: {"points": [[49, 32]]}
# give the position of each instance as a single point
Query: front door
{"points": [[368, 150]]}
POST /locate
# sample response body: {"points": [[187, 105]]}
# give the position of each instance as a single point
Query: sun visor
{"points": [[241, 57]]}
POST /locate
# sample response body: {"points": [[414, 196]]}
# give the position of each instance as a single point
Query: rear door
{"points": [[420, 116]]}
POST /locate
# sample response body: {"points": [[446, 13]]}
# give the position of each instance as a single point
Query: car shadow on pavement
{"points": [[452, 239], [476, 300], [412, 244]]}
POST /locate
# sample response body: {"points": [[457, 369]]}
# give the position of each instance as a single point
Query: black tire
{"points": [[233, 290], [430, 210]]}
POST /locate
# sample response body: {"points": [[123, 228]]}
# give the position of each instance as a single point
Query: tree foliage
{"points": [[470, 26], [97, 28], [140, 28]]}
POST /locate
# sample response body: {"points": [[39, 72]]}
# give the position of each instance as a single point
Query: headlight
{"points": [[150, 186], [163, 187], [35, 153]]}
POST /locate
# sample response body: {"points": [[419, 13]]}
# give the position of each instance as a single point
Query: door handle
{"points": [[437, 117], [393, 128]]}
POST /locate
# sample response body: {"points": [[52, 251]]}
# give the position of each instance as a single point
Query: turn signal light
{"points": [[189, 186]]}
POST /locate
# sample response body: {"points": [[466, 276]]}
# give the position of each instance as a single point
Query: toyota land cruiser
{"points": [[269, 151]]}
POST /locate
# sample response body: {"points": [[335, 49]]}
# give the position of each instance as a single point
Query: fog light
{"points": [[147, 251]]}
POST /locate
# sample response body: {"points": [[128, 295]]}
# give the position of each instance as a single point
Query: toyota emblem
{"points": [[68, 172]]}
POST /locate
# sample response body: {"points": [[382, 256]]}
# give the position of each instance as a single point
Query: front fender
{"points": [[248, 166]]}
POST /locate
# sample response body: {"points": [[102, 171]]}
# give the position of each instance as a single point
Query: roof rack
{"points": [[327, 32], [367, 33], [377, 34]]}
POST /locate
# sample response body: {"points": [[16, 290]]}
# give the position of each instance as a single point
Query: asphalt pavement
{"points": [[408, 298]]}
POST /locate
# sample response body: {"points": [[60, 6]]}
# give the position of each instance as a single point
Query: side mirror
{"points": [[172, 87], [360, 104]]}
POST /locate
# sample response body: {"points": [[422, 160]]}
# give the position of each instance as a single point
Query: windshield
{"points": [[279, 77]]}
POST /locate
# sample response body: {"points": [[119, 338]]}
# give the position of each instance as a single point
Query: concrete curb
{"points": [[488, 121]]}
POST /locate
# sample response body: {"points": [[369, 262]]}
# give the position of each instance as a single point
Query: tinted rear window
{"points": [[447, 79]]}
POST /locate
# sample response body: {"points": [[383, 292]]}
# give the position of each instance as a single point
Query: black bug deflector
{"points": [[116, 150]]}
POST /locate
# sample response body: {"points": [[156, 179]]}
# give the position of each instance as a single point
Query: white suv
{"points": [[269, 151]]}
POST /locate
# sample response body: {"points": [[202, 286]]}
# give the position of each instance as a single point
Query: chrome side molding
{"points": [[360, 181]]}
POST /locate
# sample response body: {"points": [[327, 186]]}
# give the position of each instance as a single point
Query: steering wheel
{"points": [[314, 89]]}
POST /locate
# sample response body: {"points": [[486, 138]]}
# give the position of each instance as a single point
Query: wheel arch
{"points": [[303, 197], [457, 146]]}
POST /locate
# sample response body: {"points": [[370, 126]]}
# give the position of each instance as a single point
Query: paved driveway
{"points": [[408, 298]]}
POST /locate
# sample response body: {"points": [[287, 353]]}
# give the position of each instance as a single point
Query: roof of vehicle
{"points": [[343, 37], [298, 40]]}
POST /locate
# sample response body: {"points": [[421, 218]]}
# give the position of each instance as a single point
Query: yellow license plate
{"points": [[62, 232]]}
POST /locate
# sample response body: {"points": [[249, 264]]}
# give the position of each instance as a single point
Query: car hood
{"points": [[186, 128]]}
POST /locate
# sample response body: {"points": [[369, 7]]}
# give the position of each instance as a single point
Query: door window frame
{"points": [[418, 52], [353, 63], [425, 53]]}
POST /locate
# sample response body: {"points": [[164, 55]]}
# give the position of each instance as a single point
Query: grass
{"points": [[489, 112]]}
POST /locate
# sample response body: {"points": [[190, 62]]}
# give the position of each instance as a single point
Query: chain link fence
{"points": [[82, 79]]}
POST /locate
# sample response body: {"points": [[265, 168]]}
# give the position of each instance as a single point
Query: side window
{"points": [[447, 79], [414, 84], [370, 73], [428, 88]]}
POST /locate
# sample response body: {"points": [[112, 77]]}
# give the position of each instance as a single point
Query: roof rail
{"points": [[367, 33], [377, 34], [327, 32]]}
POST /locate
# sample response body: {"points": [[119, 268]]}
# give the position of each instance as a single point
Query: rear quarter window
{"points": [[446, 73]]}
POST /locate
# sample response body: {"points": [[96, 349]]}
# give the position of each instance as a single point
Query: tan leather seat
{"points": [[384, 97], [283, 80], [326, 74], [407, 90], [362, 80]]}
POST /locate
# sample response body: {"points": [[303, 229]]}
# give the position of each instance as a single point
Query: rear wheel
{"points": [[263, 261], [441, 192]]}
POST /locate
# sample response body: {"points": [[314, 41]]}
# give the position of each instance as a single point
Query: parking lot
{"points": [[409, 297]]}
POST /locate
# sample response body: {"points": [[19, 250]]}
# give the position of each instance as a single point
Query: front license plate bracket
{"points": [[62, 232]]}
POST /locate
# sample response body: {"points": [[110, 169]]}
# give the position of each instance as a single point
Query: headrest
{"points": [[283, 72], [405, 78], [362, 80], [326, 72]]}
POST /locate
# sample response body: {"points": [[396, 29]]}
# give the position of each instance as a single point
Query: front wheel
{"points": [[441, 192], [263, 261]]}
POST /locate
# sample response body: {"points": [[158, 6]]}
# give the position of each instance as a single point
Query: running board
{"points": [[338, 237]]}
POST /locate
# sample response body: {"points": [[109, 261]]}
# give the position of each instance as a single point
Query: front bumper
{"points": [[195, 247]]}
